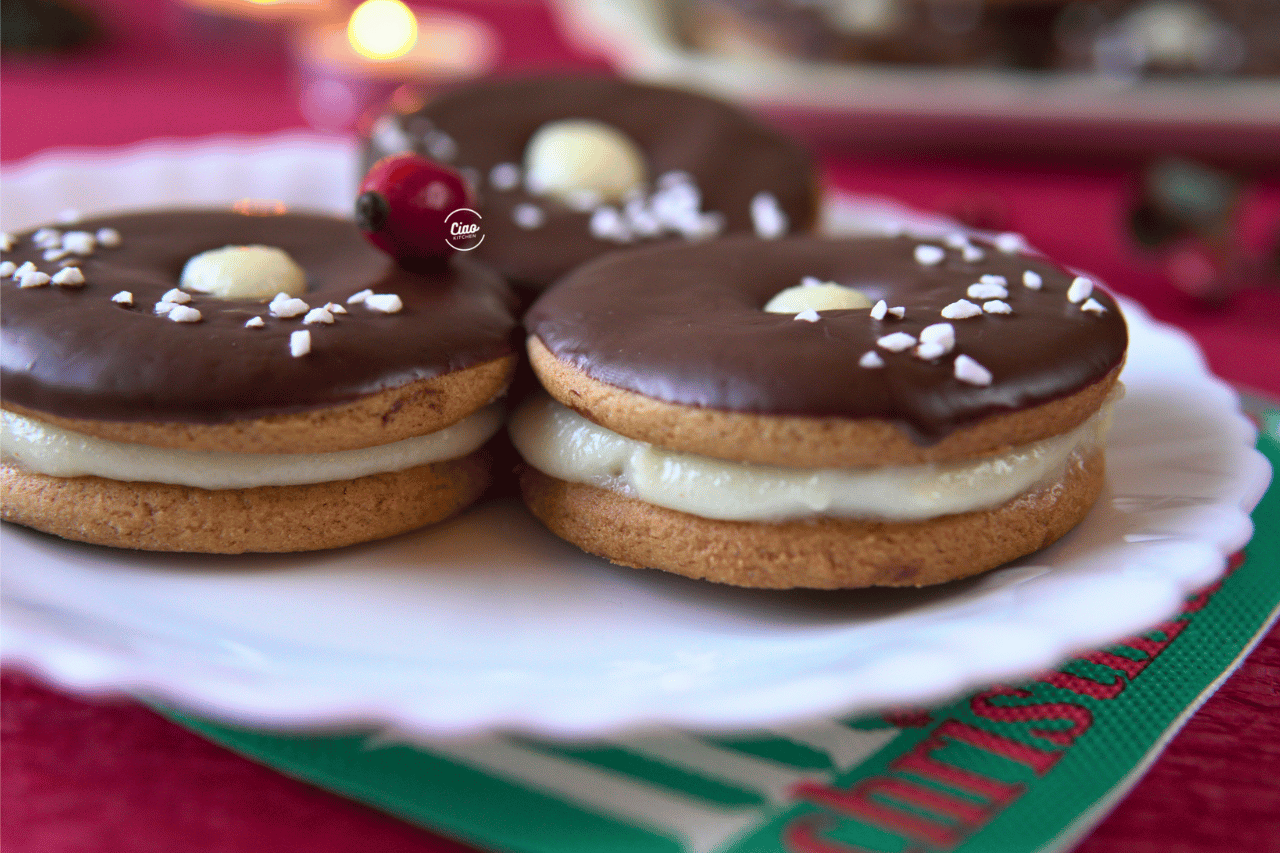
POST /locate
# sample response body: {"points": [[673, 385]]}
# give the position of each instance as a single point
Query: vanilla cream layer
{"points": [[44, 449], [562, 444]]}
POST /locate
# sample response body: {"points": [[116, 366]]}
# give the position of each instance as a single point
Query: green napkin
{"points": [[1027, 767]]}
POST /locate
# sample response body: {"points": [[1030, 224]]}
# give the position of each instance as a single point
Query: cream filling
{"points": [[45, 449], [562, 444]]}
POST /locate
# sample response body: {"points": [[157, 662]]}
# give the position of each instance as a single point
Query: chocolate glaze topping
{"points": [[730, 155], [685, 325], [73, 352]]}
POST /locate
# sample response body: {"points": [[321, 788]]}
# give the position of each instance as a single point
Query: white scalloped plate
{"points": [[489, 621]]}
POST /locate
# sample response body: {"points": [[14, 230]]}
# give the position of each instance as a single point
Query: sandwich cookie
{"points": [[816, 412], [243, 380]]}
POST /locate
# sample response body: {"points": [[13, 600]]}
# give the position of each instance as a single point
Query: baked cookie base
{"points": [[824, 553], [163, 517]]}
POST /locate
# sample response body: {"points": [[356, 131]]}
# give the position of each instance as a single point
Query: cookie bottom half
{"points": [[822, 553], [163, 517]]}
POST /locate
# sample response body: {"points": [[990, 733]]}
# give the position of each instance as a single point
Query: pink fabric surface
{"points": [[111, 776]]}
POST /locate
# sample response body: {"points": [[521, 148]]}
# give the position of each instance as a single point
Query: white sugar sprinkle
{"points": [[942, 334], [989, 278], [767, 216], [528, 216], [175, 295], [387, 303], [299, 343], [929, 255], [607, 224], [32, 278], [898, 311], [163, 307], [897, 342], [972, 253], [108, 237], [284, 306], [7, 241], [930, 351], [879, 310], [7, 268], [961, 310], [183, 314], [24, 269], [968, 370], [70, 216], [55, 254], [1032, 279], [440, 145], [124, 297], [334, 308], [68, 277], [808, 315], [47, 238], [317, 315], [357, 298], [957, 240], [254, 323], [504, 176], [871, 358], [79, 242], [1080, 289], [811, 281], [1093, 305], [995, 306], [1010, 243]]}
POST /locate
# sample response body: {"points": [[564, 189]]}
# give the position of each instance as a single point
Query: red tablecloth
{"points": [[112, 776]]}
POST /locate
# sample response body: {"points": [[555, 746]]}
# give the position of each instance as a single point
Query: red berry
{"points": [[403, 203]]}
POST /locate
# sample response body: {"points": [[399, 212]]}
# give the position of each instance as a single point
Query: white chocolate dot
{"points": [[929, 255], [1080, 289], [989, 278], [1010, 243], [334, 308], [244, 272], [956, 240], [767, 216], [928, 351], [68, 277], [317, 315], [175, 295], [996, 306], [24, 269], [879, 310], [108, 237], [163, 307], [871, 359], [972, 253], [47, 238], [827, 296], [808, 315], [361, 296], [1032, 280], [968, 370], [78, 242], [7, 268], [961, 309], [941, 334], [254, 323], [566, 158], [183, 314], [1094, 306], [898, 311], [387, 303], [7, 241], [55, 254], [897, 342], [32, 278], [607, 223], [124, 297], [299, 343], [987, 291]]}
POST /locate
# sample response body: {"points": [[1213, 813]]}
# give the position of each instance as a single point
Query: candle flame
{"points": [[382, 29]]}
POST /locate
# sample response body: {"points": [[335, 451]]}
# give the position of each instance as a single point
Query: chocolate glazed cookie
{"points": [[944, 414], [145, 407], [568, 168]]}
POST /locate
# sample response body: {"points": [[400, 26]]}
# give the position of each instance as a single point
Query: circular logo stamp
{"points": [[464, 229]]}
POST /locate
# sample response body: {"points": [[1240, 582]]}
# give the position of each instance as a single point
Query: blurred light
{"points": [[259, 207], [382, 29]]}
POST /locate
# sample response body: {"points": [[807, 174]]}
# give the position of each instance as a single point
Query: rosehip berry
{"points": [[403, 203]]}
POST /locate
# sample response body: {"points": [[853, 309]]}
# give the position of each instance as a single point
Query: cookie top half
{"points": [[960, 347], [673, 165]]}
